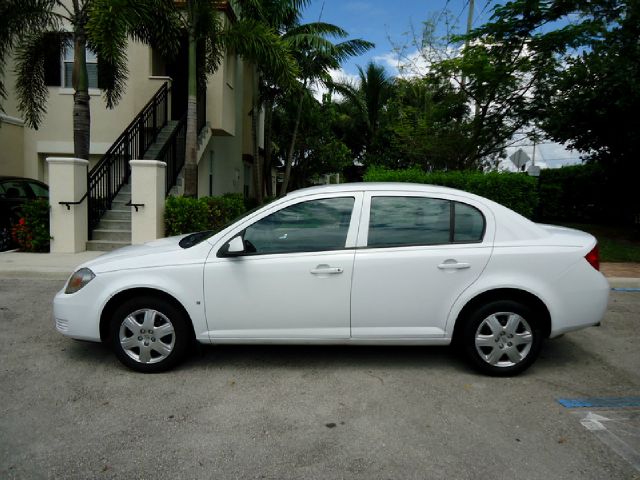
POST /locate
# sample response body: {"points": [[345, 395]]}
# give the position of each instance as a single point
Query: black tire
{"points": [[150, 335], [502, 338]]}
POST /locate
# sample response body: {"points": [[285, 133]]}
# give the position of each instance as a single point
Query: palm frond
{"points": [[19, 18], [31, 87], [259, 43], [112, 22], [316, 28]]}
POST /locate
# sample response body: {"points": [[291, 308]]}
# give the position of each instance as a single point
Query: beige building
{"points": [[225, 140]]}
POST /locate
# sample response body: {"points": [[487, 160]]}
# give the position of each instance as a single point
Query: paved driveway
{"points": [[69, 410]]}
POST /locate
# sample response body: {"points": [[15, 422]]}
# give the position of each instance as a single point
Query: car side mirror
{"points": [[233, 248]]}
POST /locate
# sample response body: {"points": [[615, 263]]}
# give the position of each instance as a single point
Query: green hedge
{"points": [[516, 191], [579, 193], [185, 215]]}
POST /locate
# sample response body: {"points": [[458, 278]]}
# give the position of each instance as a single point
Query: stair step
{"points": [[105, 245], [114, 225], [112, 235], [117, 215]]}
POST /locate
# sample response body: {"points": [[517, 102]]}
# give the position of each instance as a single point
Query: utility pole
{"points": [[466, 41]]}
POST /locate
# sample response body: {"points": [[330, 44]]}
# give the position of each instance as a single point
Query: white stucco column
{"points": [[148, 192], [68, 222]]}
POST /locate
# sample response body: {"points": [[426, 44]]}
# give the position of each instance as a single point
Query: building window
{"points": [[67, 65]]}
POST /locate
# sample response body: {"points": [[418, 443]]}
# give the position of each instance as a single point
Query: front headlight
{"points": [[79, 279]]}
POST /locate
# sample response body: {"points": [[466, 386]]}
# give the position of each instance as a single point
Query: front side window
{"points": [[313, 226], [406, 221]]}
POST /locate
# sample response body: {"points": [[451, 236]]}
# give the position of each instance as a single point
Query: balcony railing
{"points": [[112, 171]]}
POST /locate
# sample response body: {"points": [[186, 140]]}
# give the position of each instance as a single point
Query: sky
{"points": [[390, 23]]}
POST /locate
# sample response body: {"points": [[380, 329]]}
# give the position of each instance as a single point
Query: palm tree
{"points": [[30, 28], [279, 15], [247, 37], [366, 101], [316, 55]]}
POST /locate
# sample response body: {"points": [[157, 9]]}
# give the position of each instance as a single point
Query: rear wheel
{"points": [[150, 334], [502, 338]]}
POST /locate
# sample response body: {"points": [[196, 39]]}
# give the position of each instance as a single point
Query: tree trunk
{"points": [[257, 163], [80, 81], [289, 162], [191, 138], [268, 148]]}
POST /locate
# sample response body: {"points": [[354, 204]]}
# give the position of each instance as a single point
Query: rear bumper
{"points": [[582, 297]]}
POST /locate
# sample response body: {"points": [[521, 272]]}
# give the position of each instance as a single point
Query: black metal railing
{"points": [[105, 180], [173, 153]]}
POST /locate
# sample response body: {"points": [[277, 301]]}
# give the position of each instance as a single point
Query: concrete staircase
{"points": [[114, 229], [154, 150]]}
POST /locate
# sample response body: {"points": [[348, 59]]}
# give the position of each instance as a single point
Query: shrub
{"points": [[578, 193], [222, 210], [185, 215], [32, 231], [516, 191]]}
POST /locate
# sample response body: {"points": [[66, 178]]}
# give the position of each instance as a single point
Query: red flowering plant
{"points": [[31, 233]]}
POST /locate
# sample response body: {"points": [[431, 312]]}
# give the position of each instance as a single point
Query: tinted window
{"points": [[39, 190], [310, 226], [14, 189], [469, 224], [397, 221]]}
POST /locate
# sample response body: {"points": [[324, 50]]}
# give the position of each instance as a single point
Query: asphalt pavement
{"points": [[68, 409]]}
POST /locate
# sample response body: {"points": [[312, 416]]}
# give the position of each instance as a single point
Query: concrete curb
{"points": [[621, 282]]}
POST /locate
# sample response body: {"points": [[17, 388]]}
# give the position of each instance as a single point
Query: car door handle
{"points": [[453, 266], [326, 270]]}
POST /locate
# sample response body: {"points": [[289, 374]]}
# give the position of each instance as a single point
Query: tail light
{"points": [[593, 257]]}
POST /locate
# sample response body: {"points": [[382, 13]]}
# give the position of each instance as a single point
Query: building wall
{"points": [[24, 150], [54, 137], [11, 146], [221, 168]]}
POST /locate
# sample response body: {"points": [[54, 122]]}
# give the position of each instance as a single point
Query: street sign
{"points": [[519, 158]]}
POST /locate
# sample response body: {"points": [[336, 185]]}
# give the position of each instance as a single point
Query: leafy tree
{"points": [[319, 150], [582, 62], [316, 55], [364, 103], [29, 29]]}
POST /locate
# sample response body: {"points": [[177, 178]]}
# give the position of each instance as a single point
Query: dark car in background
{"points": [[15, 192]]}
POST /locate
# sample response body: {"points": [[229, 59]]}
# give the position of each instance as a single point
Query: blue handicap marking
{"points": [[600, 402]]}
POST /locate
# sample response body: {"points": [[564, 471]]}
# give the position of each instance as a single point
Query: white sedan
{"points": [[367, 263]]}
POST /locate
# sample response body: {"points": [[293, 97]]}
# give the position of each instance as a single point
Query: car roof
{"points": [[381, 186], [13, 177]]}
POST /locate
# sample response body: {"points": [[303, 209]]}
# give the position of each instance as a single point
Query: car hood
{"points": [[158, 253]]}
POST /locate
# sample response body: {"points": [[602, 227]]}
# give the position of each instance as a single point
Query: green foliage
{"points": [[32, 231], [320, 148], [186, 214], [513, 190], [224, 209], [580, 193]]}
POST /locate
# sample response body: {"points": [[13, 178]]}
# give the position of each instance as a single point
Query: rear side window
{"points": [[469, 223], [405, 221]]}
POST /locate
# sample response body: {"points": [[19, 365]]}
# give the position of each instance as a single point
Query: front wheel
{"points": [[149, 334], [502, 338]]}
